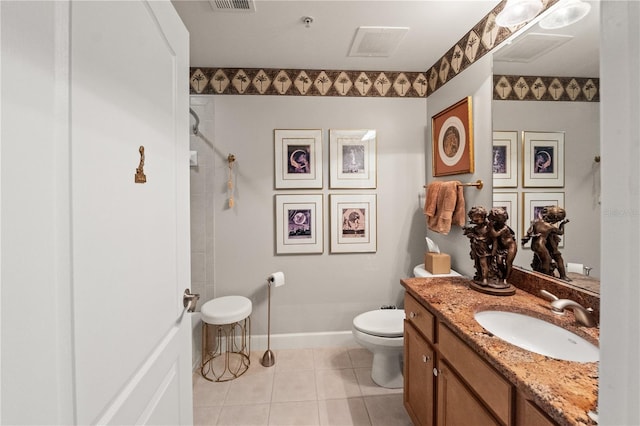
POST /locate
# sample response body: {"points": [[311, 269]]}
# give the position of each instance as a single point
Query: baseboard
{"points": [[326, 339], [304, 340]]}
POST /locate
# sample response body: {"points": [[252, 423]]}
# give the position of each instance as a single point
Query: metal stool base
{"points": [[227, 356]]}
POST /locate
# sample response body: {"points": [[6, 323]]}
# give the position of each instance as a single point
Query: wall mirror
{"points": [[562, 53]]}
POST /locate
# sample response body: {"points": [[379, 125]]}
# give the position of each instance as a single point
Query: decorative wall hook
{"points": [[231, 160], [140, 176]]}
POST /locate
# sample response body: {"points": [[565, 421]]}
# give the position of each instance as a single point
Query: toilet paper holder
{"points": [[276, 279]]}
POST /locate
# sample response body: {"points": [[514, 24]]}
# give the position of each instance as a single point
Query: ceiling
{"points": [[276, 36]]}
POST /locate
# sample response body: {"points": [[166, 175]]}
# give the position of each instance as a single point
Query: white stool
{"points": [[226, 324]]}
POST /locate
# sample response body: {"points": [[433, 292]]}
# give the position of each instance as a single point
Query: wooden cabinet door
{"points": [[457, 406], [418, 377], [527, 414]]}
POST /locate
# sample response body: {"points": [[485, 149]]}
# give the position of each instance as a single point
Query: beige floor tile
{"points": [[250, 389], [343, 412], [360, 357], [331, 358], [256, 366], [368, 387], [329, 386], [218, 367], [337, 384], [294, 359], [208, 394], [301, 413], [387, 410], [244, 415], [294, 386], [205, 416]]}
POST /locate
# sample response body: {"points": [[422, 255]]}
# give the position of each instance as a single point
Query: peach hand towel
{"points": [[444, 206]]}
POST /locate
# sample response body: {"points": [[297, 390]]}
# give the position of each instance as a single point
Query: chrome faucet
{"points": [[583, 315]]}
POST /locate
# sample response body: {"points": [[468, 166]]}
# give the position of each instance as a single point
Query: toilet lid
{"points": [[381, 322]]}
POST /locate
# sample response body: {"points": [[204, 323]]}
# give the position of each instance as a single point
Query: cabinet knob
{"points": [[412, 314], [436, 371], [426, 358]]}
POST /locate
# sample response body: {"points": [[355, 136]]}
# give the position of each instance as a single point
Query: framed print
{"points": [[299, 224], [298, 158], [509, 202], [452, 140], [505, 159], [532, 205], [352, 155], [353, 223], [543, 159]]}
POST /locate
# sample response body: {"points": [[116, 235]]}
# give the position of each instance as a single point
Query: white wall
{"points": [[476, 82], [619, 392], [580, 121], [37, 361], [323, 291]]}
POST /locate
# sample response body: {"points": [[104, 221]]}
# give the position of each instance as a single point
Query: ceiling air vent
{"points": [[233, 5], [377, 41], [529, 47]]}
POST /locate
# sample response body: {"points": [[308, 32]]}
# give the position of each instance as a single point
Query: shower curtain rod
{"points": [[194, 129]]}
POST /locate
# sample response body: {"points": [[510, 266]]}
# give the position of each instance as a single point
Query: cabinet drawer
{"points": [[495, 391], [418, 315]]}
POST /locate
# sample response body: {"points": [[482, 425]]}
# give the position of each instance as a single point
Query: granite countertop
{"points": [[565, 390]]}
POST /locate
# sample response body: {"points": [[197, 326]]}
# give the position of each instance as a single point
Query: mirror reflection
{"points": [[548, 106]]}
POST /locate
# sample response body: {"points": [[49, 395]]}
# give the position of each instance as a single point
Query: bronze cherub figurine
{"points": [[545, 239], [493, 248]]}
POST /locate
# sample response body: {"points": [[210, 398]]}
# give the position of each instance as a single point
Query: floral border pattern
{"points": [[293, 82], [531, 88]]}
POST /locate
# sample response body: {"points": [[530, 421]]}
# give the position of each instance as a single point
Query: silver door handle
{"points": [[190, 300]]}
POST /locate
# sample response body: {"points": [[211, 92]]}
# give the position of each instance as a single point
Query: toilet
{"points": [[421, 271], [381, 331]]}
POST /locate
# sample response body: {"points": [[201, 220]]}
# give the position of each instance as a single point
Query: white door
{"points": [[93, 265], [130, 241]]}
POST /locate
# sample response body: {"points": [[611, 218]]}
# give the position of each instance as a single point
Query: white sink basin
{"points": [[538, 336]]}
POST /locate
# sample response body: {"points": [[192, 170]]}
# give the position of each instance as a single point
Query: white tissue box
{"points": [[437, 263]]}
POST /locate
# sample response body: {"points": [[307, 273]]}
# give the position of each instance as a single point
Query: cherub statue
{"points": [[493, 247], [505, 246], [479, 234], [545, 238]]}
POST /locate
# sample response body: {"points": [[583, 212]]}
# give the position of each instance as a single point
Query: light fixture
{"points": [[516, 12], [567, 12]]}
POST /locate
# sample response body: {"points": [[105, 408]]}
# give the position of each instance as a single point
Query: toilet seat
{"points": [[381, 322]]}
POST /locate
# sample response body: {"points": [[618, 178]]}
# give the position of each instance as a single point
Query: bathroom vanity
{"points": [[456, 372]]}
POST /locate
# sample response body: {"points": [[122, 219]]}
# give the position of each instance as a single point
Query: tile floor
{"points": [[328, 386]]}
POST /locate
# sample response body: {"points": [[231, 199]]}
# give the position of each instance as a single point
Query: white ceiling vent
{"points": [[529, 47], [377, 41], [233, 5]]}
